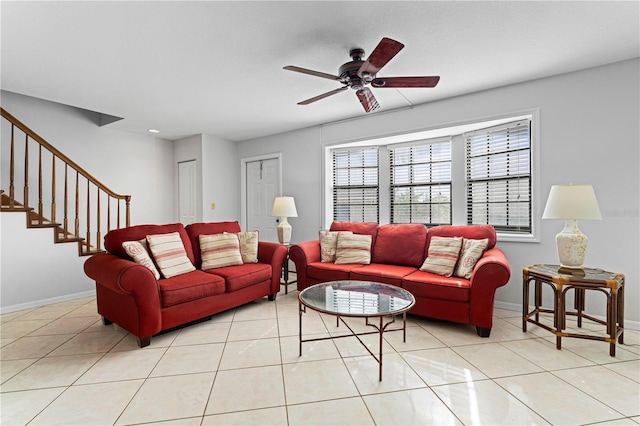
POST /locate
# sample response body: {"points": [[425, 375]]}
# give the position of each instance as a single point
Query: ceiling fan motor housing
{"points": [[349, 71]]}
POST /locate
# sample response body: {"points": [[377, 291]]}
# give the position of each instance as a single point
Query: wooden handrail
{"points": [[91, 217]]}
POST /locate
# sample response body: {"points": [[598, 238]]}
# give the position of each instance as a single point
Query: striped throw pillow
{"points": [[248, 246], [169, 254], [353, 248], [471, 252], [328, 244], [442, 255], [219, 250], [139, 252]]}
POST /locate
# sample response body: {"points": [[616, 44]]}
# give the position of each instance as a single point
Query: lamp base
{"points": [[284, 231], [572, 245]]}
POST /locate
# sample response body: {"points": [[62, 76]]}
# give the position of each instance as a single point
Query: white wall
{"points": [[220, 180], [32, 273], [589, 133]]}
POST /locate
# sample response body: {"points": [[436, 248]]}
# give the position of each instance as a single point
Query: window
{"points": [[355, 184], [498, 174], [420, 178]]}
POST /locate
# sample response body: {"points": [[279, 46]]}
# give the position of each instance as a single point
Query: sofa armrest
{"points": [[272, 254], [302, 254], [127, 293], [491, 272]]}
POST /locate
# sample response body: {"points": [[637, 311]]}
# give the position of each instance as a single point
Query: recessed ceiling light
{"points": [[154, 131]]}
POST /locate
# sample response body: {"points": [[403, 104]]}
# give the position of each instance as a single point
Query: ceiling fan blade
{"points": [[312, 72], [384, 51], [324, 95], [368, 101], [405, 81]]}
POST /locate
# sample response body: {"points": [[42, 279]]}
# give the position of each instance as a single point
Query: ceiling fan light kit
{"points": [[358, 73]]}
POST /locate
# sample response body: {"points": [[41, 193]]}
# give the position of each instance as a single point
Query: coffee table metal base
{"points": [[381, 327]]}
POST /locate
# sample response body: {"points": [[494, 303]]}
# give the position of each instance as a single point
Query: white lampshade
{"points": [[572, 202], [284, 207]]}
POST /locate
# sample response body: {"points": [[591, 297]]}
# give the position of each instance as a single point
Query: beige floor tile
{"points": [[260, 309], [503, 331], [453, 334], [86, 310], [442, 366], [629, 369], [64, 325], [95, 404], [4, 341], [396, 374], [311, 351], [504, 313], [246, 389], [287, 310], [22, 327], [188, 421], [346, 411], [33, 347], [410, 407], [189, 359], [172, 397], [631, 337], [417, 338], [251, 330], [126, 365], [317, 381], [51, 372], [9, 368], [46, 312], [483, 402], [10, 316], [250, 353], [619, 422], [495, 360], [19, 408], [87, 343], [544, 354], [598, 382], [276, 416], [594, 350], [311, 324], [204, 332], [130, 342], [550, 397], [350, 346]]}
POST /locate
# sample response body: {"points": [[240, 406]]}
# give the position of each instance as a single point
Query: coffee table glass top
{"points": [[357, 298]]}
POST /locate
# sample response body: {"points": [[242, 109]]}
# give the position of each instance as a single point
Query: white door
{"points": [[187, 192], [262, 188]]}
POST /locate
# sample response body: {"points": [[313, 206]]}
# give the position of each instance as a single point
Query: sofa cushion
{"points": [[219, 250], [241, 276], [400, 244], [381, 273], [190, 286], [169, 254], [353, 248], [473, 232], [248, 246], [328, 244], [363, 228], [433, 286], [442, 256], [139, 252], [469, 255], [113, 239], [193, 230], [323, 271]]}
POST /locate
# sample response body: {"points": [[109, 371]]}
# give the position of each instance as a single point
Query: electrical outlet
{"points": [[213, 206]]}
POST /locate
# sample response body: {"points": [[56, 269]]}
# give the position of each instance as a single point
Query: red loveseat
{"points": [[128, 294], [397, 253]]}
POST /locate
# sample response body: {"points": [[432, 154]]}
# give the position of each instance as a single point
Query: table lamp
{"points": [[284, 207], [571, 202]]}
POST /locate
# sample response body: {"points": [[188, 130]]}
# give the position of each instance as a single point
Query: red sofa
{"points": [[397, 253], [129, 295]]}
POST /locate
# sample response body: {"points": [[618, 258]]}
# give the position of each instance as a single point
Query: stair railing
{"points": [[93, 208]]}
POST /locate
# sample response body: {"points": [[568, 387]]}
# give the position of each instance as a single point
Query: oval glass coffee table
{"points": [[369, 300]]}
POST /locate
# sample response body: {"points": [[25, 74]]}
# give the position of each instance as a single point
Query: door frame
{"points": [[243, 181]]}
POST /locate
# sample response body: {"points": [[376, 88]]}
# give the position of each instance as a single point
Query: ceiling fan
{"points": [[358, 73]]}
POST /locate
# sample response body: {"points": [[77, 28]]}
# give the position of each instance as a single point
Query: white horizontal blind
{"points": [[421, 183], [355, 184], [498, 175]]}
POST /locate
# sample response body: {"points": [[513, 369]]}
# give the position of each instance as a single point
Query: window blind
{"points": [[498, 176], [420, 177], [355, 184]]}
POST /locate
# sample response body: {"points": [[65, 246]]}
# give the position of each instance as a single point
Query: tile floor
{"points": [[61, 366]]}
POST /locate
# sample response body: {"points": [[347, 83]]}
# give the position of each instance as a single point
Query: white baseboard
{"points": [[631, 325], [44, 302]]}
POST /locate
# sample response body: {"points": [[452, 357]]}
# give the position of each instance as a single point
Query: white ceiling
{"points": [[215, 67]]}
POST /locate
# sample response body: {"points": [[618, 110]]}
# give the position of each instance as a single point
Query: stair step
{"points": [[68, 240], [16, 209], [91, 252], [43, 225]]}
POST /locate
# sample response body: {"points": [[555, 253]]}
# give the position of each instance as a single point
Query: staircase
{"points": [[88, 208]]}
